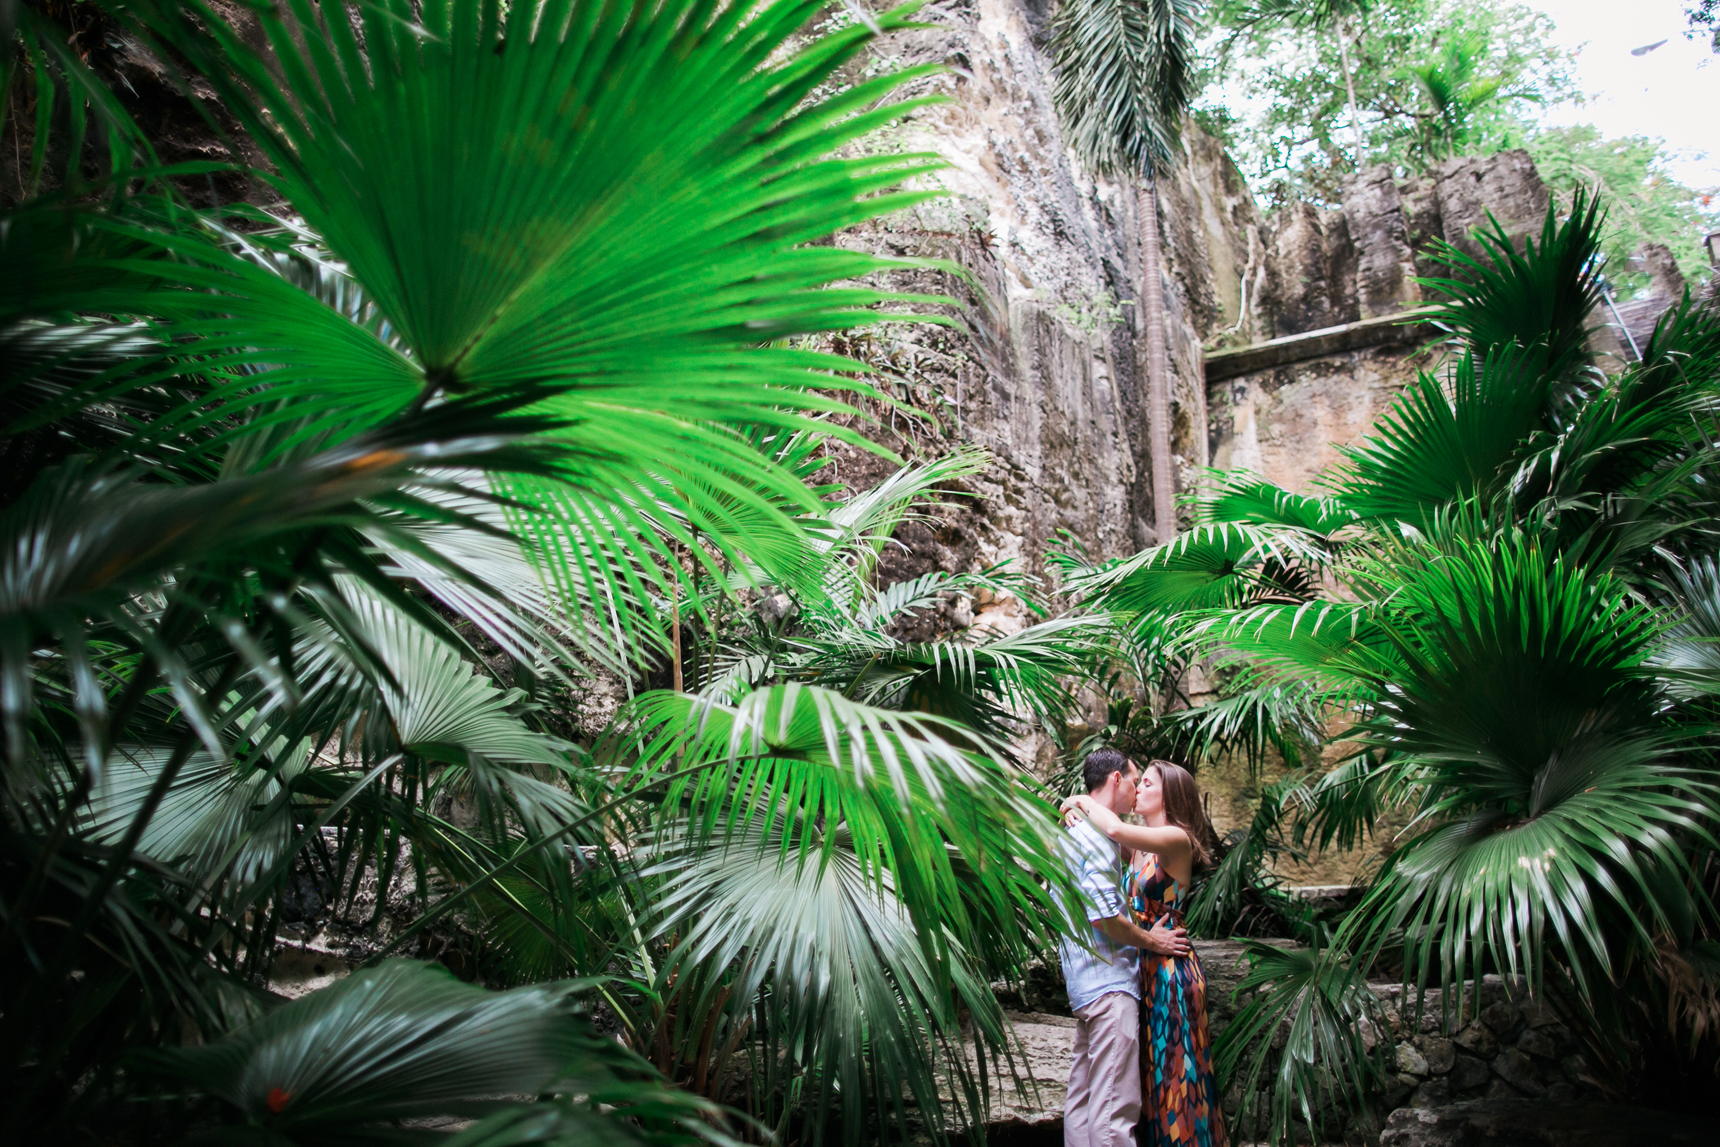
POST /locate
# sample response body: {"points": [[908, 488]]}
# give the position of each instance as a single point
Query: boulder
{"points": [[1469, 1073], [1502, 1018], [1435, 1092], [1542, 1042], [1478, 1039], [1535, 1123], [1518, 1070], [1440, 1053], [1410, 1059]]}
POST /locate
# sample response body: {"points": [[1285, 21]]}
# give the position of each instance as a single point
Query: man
{"points": [[1104, 975]]}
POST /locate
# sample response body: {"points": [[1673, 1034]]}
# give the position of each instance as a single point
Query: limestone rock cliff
{"points": [[1043, 361]]}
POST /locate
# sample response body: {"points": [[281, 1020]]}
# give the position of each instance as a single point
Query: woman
{"points": [[1179, 1095]]}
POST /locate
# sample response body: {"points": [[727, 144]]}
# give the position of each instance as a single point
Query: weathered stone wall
{"points": [[1044, 365], [1329, 267]]}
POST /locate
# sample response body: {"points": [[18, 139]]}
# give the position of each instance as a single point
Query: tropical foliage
{"points": [[319, 518], [1499, 609], [1303, 95]]}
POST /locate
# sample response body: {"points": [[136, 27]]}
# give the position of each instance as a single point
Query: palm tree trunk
{"points": [[1350, 90], [1158, 367]]}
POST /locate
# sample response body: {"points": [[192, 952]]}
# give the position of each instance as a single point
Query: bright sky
{"points": [[1672, 92]]}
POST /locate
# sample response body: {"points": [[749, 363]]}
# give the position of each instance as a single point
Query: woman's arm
{"points": [[1169, 842]]}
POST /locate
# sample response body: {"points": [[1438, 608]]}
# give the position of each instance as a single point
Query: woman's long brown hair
{"points": [[1183, 809]]}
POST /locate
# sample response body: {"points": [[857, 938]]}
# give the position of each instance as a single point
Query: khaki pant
{"points": [[1104, 1101]]}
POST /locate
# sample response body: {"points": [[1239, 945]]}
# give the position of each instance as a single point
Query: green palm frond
{"points": [[1687, 654], [1329, 1018], [216, 819], [82, 544], [929, 589], [1541, 296], [1327, 646], [1220, 900], [333, 1067], [1442, 443], [910, 799], [1125, 75], [1344, 806], [1521, 706], [857, 997], [644, 269], [1263, 715], [664, 274], [982, 684], [1210, 566], [1683, 350], [856, 531], [1246, 498]]}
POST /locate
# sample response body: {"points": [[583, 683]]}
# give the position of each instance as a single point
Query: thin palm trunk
{"points": [[1158, 367], [1350, 91]]}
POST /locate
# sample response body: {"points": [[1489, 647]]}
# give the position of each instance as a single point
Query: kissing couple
{"points": [[1143, 1058]]}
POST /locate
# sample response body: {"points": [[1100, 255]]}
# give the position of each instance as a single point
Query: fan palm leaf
{"points": [[1442, 443], [1208, 567], [1521, 711], [1541, 296], [406, 1040], [1327, 1013], [908, 797], [854, 996]]}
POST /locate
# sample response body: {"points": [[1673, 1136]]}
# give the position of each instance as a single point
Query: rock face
{"points": [[1342, 266], [1043, 364], [1041, 360], [1531, 1123], [1497, 1043]]}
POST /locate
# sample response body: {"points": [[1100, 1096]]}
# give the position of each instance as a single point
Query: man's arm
{"points": [[1161, 939]]}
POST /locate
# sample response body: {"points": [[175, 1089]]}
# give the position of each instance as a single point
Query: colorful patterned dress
{"points": [[1179, 1094]]}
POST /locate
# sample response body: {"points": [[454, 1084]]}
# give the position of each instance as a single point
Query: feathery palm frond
{"points": [[906, 793], [1333, 1027], [1125, 74]]}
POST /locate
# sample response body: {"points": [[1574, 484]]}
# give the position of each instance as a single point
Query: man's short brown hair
{"points": [[1100, 764]]}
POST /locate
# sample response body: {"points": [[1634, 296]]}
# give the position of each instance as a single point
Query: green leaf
{"points": [[1540, 297], [1125, 76], [1207, 567], [1439, 444], [403, 1041], [1322, 1005], [1246, 498]]}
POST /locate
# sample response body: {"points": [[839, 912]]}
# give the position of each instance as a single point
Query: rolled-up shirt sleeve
{"points": [[1098, 876], [1095, 964]]}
